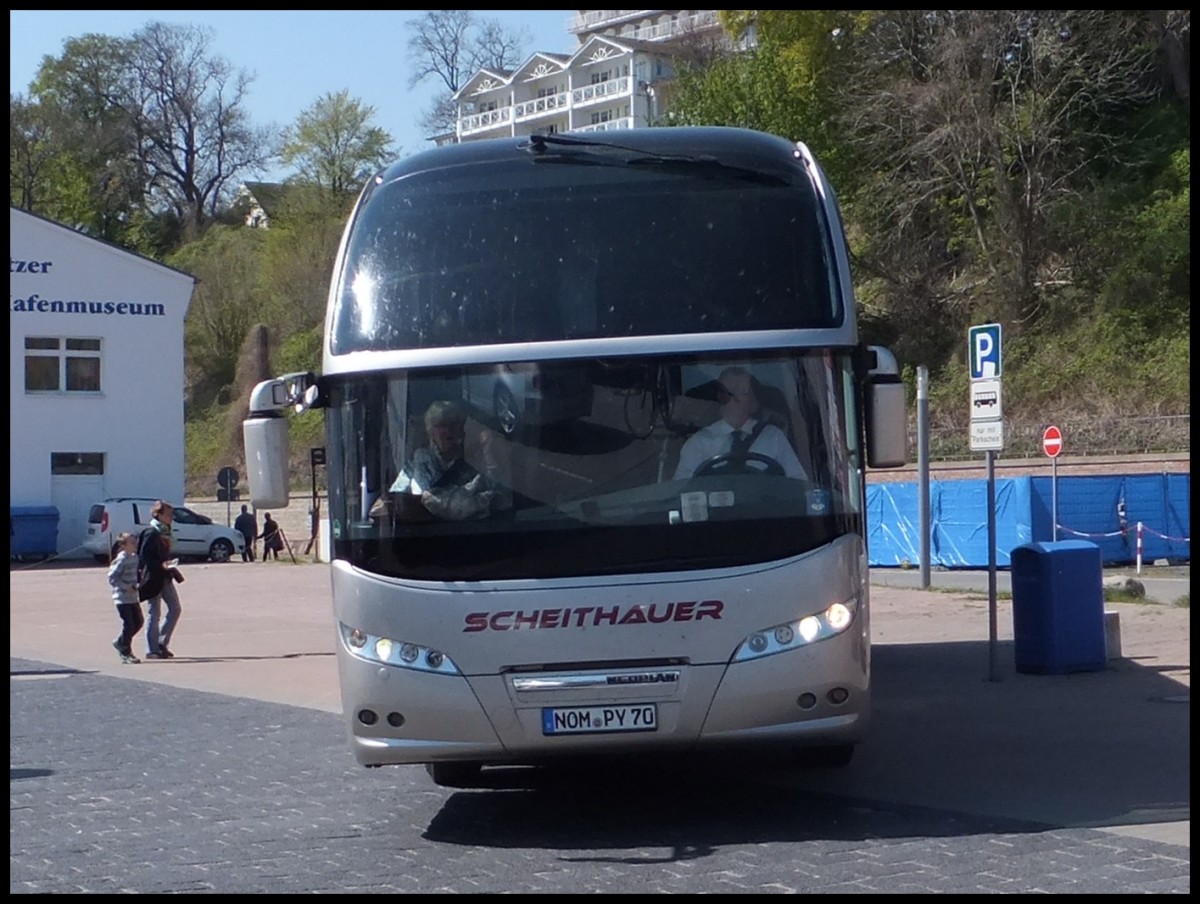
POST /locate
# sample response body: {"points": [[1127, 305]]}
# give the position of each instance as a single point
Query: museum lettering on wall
{"points": [[41, 305]]}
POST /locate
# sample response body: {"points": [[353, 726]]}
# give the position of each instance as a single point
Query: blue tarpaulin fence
{"points": [[1089, 508]]}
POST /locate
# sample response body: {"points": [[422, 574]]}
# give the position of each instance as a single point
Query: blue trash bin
{"points": [[33, 531], [1058, 608]]}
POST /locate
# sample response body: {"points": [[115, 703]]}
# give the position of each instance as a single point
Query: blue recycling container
{"points": [[1058, 608], [33, 531]]}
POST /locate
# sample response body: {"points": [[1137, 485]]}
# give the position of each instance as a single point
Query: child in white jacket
{"points": [[123, 579]]}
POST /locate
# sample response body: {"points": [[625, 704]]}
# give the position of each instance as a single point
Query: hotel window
{"points": [[62, 365]]}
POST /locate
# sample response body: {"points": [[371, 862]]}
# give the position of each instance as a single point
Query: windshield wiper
{"points": [[586, 151]]}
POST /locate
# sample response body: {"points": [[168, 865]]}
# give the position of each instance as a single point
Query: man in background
{"points": [[247, 525]]}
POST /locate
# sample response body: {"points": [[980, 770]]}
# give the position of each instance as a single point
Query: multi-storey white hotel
{"points": [[617, 78]]}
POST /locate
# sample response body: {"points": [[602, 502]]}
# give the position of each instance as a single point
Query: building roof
{"points": [[79, 235]]}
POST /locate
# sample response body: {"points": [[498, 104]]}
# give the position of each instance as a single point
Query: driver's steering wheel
{"points": [[739, 463]]}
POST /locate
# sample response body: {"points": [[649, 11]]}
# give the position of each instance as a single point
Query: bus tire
{"points": [[454, 775], [835, 756]]}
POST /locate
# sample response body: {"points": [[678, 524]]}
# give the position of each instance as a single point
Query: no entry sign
{"points": [[1052, 442]]}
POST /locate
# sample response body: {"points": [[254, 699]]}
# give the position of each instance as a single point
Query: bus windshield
{"points": [[587, 467], [529, 250]]}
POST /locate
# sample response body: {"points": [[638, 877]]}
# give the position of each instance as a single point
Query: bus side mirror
{"points": [[265, 435], [887, 419]]}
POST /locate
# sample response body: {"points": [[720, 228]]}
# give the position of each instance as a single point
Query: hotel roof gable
{"points": [[484, 80], [540, 64]]}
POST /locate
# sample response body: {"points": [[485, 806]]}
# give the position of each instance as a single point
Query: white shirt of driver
{"points": [[717, 439]]}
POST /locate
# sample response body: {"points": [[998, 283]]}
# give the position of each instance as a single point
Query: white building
{"points": [[95, 373], [618, 77]]}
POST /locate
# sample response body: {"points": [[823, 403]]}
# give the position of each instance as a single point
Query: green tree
{"points": [[149, 132], [334, 146], [298, 254], [227, 262], [31, 153], [74, 145]]}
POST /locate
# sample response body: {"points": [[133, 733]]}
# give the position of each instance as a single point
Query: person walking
{"points": [[123, 579], [247, 524], [159, 574], [272, 539]]}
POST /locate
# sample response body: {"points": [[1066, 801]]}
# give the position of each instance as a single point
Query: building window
{"points": [[76, 462], [62, 365]]}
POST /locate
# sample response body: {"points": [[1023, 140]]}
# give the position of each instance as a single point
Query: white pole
{"points": [[1054, 497], [1139, 547]]}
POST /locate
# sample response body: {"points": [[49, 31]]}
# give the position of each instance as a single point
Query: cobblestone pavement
{"points": [[228, 768], [121, 786]]}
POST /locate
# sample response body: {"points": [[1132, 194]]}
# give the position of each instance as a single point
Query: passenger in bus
{"points": [[738, 431], [448, 486]]}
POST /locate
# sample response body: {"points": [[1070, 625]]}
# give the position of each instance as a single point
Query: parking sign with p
{"points": [[983, 345]]}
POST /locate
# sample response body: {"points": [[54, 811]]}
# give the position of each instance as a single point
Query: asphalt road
{"points": [[228, 769]]}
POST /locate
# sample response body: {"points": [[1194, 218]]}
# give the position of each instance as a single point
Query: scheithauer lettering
{"points": [[593, 616]]}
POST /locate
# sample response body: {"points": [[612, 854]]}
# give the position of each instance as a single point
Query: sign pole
{"points": [[1052, 445], [991, 530], [987, 435], [1054, 496], [923, 469]]}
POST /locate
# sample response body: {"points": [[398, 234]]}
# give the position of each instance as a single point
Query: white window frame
{"points": [[63, 353]]}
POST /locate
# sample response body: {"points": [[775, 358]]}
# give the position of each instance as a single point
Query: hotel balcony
{"points": [[592, 19], [532, 109], [506, 120], [486, 121], [624, 122], [590, 94], [597, 19]]}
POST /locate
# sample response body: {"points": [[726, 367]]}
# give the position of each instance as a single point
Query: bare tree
{"points": [[1175, 35], [989, 118], [450, 46], [194, 138]]}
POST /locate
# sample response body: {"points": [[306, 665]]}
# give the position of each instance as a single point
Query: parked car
{"points": [[530, 394], [192, 534]]}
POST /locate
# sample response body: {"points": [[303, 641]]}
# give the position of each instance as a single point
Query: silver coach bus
{"points": [[547, 539]]}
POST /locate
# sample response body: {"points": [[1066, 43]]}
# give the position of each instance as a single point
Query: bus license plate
{"points": [[594, 719]]}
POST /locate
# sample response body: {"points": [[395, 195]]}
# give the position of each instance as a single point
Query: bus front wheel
{"points": [[454, 775]]}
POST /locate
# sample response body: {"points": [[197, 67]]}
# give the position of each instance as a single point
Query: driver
{"points": [[440, 476], [733, 434]]}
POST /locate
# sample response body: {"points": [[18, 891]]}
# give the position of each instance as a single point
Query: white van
{"points": [[192, 534]]}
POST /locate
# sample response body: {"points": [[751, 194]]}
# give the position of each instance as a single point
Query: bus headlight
{"points": [[833, 620], [400, 654]]}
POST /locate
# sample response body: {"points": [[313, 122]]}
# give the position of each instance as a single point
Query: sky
{"points": [[296, 56]]}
